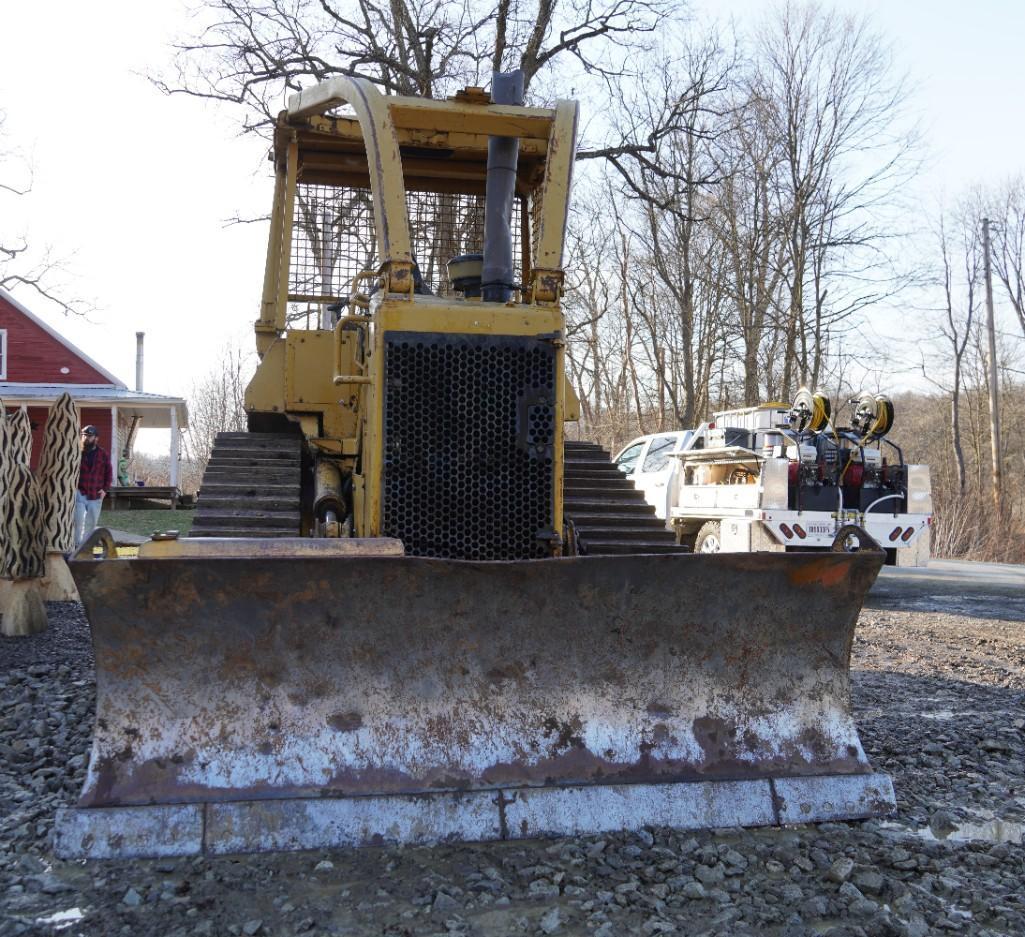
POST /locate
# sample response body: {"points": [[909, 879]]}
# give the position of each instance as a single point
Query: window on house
{"points": [[3, 354]]}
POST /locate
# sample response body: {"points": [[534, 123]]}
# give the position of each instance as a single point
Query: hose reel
{"points": [[810, 411], [873, 415]]}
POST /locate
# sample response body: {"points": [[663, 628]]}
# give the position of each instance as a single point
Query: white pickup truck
{"points": [[746, 481]]}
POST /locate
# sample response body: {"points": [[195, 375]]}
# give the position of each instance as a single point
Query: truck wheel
{"points": [[709, 539]]}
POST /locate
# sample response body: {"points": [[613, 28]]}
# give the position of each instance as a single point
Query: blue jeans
{"points": [[87, 516]]}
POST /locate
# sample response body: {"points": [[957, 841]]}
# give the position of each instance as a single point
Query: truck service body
{"points": [[747, 481]]}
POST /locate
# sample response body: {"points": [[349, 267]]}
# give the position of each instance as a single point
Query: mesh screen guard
{"points": [[469, 430], [333, 237]]}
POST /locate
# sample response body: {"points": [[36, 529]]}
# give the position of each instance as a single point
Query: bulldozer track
{"points": [[609, 515], [251, 487]]}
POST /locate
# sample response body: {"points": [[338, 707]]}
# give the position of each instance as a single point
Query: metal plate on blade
{"points": [[237, 679]]}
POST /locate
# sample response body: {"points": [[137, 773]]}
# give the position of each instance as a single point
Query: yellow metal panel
{"points": [[465, 142], [499, 120], [309, 380], [438, 314], [572, 404], [266, 391], [368, 522], [309, 367]]}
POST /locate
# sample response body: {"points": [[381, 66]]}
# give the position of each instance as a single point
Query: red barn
{"points": [[37, 365]]}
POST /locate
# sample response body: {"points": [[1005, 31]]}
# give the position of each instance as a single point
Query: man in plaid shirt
{"points": [[95, 477]]}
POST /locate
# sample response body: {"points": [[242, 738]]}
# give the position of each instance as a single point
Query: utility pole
{"points": [[994, 400]]}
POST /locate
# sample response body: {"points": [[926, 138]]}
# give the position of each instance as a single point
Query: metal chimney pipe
{"points": [[139, 336], [503, 154]]}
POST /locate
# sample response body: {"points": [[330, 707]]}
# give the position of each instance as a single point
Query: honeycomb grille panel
{"points": [[469, 430]]}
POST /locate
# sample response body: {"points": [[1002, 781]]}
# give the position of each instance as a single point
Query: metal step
{"points": [[246, 445], [612, 488], [262, 474], [621, 519], [275, 439], [587, 457], [608, 548], [594, 534], [245, 488], [253, 458], [248, 519], [610, 503], [246, 532], [270, 504]]}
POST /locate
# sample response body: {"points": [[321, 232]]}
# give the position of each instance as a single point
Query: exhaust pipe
{"points": [[503, 154], [139, 336]]}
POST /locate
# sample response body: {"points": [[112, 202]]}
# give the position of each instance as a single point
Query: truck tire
{"points": [[709, 538]]}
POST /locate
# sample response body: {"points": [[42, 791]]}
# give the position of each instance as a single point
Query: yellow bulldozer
{"points": [[409, 610]]}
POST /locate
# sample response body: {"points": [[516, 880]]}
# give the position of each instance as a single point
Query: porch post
{"points": [[173, 461], [115, 442]]}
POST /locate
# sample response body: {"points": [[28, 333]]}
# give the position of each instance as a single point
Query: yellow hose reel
{"points": [[811, 411], [873, 415]]}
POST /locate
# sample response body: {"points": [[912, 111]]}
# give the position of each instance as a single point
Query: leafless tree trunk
{"points": [[957, 325]]}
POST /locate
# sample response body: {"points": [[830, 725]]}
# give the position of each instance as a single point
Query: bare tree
{"points": [[217, 404], [21, 265], [749, 232], [958, 319], [251, 52], [826, 85], [1009, 238]]}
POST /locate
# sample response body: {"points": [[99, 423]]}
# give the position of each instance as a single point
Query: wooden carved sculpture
{"points": [[57, 474], [24, 558], [36, 515]]}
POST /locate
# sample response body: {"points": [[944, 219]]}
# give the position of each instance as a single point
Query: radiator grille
{"points": [[469, 425]]}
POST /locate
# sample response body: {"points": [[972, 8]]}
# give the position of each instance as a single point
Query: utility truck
{"points": [[781, 477]]}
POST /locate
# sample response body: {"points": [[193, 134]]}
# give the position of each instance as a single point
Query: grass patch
{"points": [[144, 523]]}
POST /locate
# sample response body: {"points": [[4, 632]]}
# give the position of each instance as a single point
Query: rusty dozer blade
{"points": [[269, 702]]}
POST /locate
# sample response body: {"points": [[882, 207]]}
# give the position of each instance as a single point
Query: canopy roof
{"points": [[153, 409]]}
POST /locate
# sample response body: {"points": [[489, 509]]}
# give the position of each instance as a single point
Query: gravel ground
{"points": [[940, 705]]}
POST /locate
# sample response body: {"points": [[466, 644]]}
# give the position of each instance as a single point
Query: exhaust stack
{"points": [[503, 154], [139, 336]]}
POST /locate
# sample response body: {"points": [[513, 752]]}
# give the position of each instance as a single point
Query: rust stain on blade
{"points": [[402, 674], [826, 572]]}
